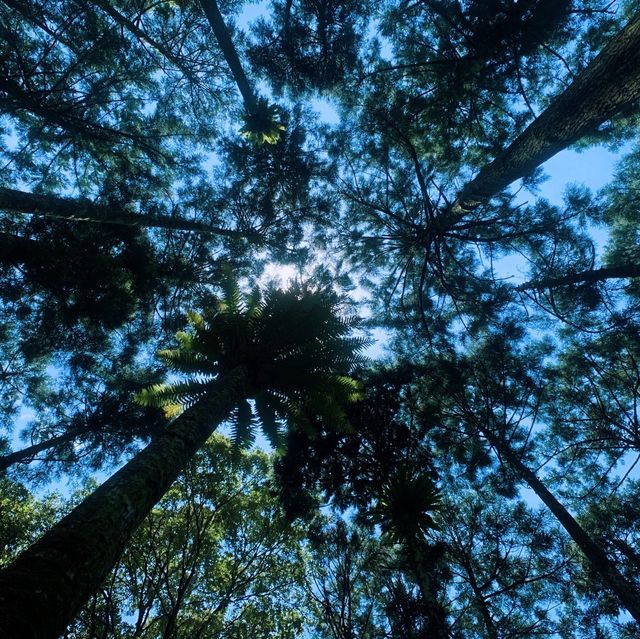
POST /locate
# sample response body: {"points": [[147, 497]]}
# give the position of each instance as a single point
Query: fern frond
{"points": [[243, 427], [161, 395], [263, 125], [149, 396], [172, 410], [232, 300], [254, 304], [196, 320], [187, 361], [267, 415], [296, 349]]}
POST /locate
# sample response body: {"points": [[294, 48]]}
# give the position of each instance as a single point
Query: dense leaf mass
{"points": [[273, 185], [293, 346]]}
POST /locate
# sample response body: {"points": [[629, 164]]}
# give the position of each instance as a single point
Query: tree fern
{"points": [[406, 507], [263, 125], [295, 347]]}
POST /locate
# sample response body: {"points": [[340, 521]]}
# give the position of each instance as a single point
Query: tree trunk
{"points": [[73, 210], [46, 586], [139, 33], [438, 628], [27, 454], [584, 277], [610, 83], [225, 43], [480, 601], [611, 577]]}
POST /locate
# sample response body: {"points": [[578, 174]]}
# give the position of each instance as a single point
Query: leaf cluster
{"points": [[294, 347]]}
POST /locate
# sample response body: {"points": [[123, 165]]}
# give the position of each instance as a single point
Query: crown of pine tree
{"points": [[294, 346]]}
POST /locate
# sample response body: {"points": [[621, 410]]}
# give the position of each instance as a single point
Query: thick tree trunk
{"points": [[610, 83], [225, 43], [73, 210], [46, 586], [611, 577], [584, 277]]}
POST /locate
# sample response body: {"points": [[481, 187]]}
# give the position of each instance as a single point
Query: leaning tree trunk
{"points": [[230, 54], [46, 586], [610, 576], [584, 277], [26, 455], [73, 210], [610, 83]]}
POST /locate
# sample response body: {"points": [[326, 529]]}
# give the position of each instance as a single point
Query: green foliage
{"points": [[294, 346], [504, 551], [264, 124], [507, 358], [347, 569], [214, 559], [405, 510], [310, 44], [22, 518]]}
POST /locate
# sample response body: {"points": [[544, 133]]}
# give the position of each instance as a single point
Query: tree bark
{"points": [[611, 577], [139, 33], [27, 454], [230, 54], [610, 83], [46, 586], [438, 628], [584, 277], [73, 210]]}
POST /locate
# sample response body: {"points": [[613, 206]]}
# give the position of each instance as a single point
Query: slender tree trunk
{"points": [[611, 577], [225, 43], [584, 277], [62, 208], [28, 454], [139, 33], [437, 614], [480, 601], [46, 586], [610, 83]]}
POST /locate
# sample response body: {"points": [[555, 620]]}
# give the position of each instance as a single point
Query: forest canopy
{"points": [[209, 210]]}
